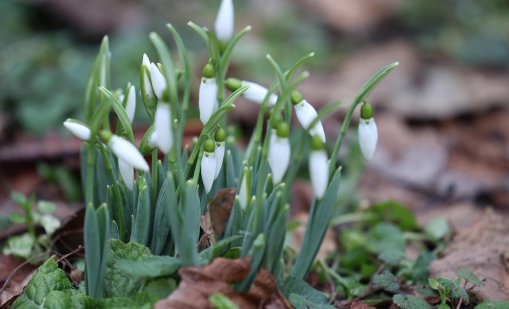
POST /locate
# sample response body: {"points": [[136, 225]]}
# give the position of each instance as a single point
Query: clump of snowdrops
{"points": [[160, 204]]}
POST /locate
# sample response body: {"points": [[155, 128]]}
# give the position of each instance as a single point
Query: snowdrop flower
{"points": [[368, 132], [130, 106], [208, 165], [306, 113], [208, 94], [126, 172], [224, 21], [255, 93], [279, 151], [244, 188], [124, 150], [79, 129], [318, 167], [162, 125], [158, 81], [152, 140], [145, 76], [220, 137]]}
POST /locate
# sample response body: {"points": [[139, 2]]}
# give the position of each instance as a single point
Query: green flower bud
{"points": [[277, 120], [208, 71], [105, 136], [220, 135], [316, 143], [209, 145], [296, 97], [283, 130], [233, 84], [366, 111]]}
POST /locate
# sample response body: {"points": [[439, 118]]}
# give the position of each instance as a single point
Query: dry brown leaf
{"points": [[17, 273], [484, 249], [199, 283], [220, 208]]}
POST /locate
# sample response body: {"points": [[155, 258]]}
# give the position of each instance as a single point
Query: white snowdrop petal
{"points": [[208, 169], [306, 113], [162, 124], [130, 107], [318, 169], [158, 81], [127, 172], [152, 140], [146, 78], [243, 193], [128, 152], [77, 129], [224, 21], [256, 93], [219, 153], [279, 157], [368, 137], [207, 102]]}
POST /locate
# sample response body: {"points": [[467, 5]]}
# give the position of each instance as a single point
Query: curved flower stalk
{"points": [[208, 94], [279, 151], [78, 129], [255, 93], [124, 150], [318, 167], [208, 165], [368, 132], [162, 125], [306, 113], [225, 21], [219, 137]]}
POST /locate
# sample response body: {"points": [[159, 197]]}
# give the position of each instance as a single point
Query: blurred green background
{"points": [[47, 46]]}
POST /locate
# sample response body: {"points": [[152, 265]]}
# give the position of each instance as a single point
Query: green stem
{"points": [[89, 188], [155, 175], [118, 206]]}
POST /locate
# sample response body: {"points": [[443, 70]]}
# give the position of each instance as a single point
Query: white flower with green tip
{"points": [[220, 137], [279, 152], [318, 167], [368, 132], [207, 101], [78, 129], [208, 165], [306, 113]]}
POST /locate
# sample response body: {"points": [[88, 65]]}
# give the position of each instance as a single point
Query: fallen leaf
{"points": [[220, 208], [199, 283], [483, 249], [17, 273]]}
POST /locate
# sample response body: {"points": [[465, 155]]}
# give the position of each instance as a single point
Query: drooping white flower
{"points": [[256, 93], [124, 150], [225, 21], [77, 128], [158, 81], [219, 138], [318, 167], [162, 125], [152, 140], [368, 132], [306, 113], [208, 98], [127, 172], [208, 165], [147, 84], [130, 106], [279, 152]]}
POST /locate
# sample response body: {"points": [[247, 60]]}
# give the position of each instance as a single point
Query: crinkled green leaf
{"points": [[117, 284], [385, 236], [49, 223], [149, 266], [48, 278], [387, 281], [410, 302], [453, 290], [302, 295], [468, 275], [437, 228], [160, 288], [392, 211], [19, 246], [391, 257]]}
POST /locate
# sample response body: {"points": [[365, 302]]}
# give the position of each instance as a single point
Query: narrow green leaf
{"points": [[166, 207]]}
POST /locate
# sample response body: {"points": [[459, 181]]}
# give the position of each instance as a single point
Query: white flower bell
{"points": [[279, 152], [255, 93], [225, 21], [220, 137], [78, 129], [126, 172], [318, 167], [147, 83], [208, 165], [124, 150], [368, 132], [208, 94], [306, 113], [158, 81], [130, 106], [162, 125]]}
